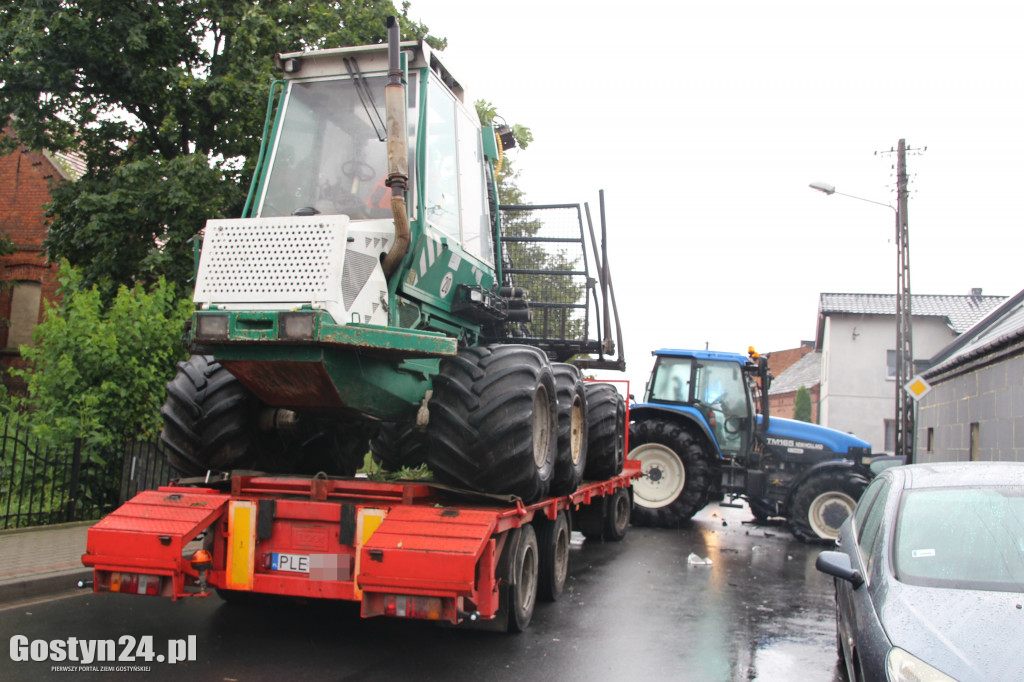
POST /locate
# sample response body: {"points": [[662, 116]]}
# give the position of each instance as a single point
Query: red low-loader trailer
{"points": [[403, 549]]}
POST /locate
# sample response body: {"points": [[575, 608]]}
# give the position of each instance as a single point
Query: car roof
{"points": [[958, 474]]}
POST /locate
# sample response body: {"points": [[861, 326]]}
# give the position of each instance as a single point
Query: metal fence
{"points": [[40, 485]]}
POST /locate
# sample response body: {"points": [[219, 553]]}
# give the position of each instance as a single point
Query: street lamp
{"points": [[904, 338]]}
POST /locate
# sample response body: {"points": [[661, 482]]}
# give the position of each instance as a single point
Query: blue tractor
{"points": [[703, 433]]}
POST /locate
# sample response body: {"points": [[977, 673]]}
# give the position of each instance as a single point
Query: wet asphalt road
{"points": [[632, 610]]}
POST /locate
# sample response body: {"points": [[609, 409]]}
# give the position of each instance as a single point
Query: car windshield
{"points": [[965, 538]]}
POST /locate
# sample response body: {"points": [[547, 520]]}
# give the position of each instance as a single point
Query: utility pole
{"points": [[904, 336]]}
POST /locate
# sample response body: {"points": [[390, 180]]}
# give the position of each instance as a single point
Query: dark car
{"points": [[930, 574]]}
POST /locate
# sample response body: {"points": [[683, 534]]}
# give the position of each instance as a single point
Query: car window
{"points": [[865, 503], [867, 532], [964, 538]]}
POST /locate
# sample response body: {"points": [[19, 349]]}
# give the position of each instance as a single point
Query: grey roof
{"points": [[804, 372], [1003, 328], [961, 312]]}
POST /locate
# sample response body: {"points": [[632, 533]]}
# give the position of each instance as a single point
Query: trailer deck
{"points": [[401, 549]]}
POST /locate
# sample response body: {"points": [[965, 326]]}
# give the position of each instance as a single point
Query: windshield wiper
{"points": [[366, 97]]}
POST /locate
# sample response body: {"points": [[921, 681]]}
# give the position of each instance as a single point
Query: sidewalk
{"points": [[40, 561]]}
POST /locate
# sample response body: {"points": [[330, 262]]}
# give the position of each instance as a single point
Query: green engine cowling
{"points": [[293, 299]]}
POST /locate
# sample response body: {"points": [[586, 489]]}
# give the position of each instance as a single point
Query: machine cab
{"points": [[327, 156]]}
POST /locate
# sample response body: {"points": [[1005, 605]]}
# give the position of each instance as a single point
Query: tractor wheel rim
{"points": [[541, 426], [828, 511], [576, 430], [664, 476]]}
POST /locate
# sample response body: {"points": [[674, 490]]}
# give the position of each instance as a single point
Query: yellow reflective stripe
{"points": [[241, 544], [368, 522]]}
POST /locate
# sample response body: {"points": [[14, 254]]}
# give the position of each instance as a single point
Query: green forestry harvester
{"points": [[375, 297]]}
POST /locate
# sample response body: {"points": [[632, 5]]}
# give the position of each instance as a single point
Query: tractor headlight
{"points": [[296, 326], [212, 326]]}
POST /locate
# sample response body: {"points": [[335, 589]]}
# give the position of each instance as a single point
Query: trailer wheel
{"points": [[519, 577], [589, 519], [676, 474], [571, 458], [212, 422], [616, 518], [823, 502], [553, 543], [606, 418], [493, 419]]}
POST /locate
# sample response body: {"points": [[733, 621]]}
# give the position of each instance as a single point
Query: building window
{"points": [[975, 440], [929, 440], [890, 365], [25, 300], [890, 435]]}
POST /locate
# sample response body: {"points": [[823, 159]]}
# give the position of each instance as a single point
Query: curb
{"points": [[43, 586]]}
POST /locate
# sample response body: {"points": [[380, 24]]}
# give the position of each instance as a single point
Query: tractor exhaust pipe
{"points": [[398, 150]]}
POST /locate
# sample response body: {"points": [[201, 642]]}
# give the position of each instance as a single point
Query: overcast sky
{"points": [[704, 122]]}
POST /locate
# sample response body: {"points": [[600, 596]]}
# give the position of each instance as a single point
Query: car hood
{"points": [[967, 634]]}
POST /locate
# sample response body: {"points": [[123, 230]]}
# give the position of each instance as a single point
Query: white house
{"points": [[856, 336]]}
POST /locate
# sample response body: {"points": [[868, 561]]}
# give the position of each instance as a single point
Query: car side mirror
{"points": [[837, 564]]}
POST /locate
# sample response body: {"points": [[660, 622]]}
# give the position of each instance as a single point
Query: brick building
{"points": [[25, 180]]}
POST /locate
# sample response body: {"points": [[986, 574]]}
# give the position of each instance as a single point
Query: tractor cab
{"points": [[713, 384]]}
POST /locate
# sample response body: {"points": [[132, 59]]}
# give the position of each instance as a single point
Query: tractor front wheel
{"points": [[823, 502], [676, 474]]}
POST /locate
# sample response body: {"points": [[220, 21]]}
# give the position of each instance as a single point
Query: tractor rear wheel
{"points": [[676, 474], [493, 420], [212, 422], [606, 421], [397, 446], [823, 502], [571, 458]]}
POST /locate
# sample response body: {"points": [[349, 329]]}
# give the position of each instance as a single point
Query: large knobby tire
{"points": [[518, 575], [212, 422], [553, 543], [606, 422], [571, 456], [493, 420], [399, 445], [676, 473], [209, 418], [823, 502]]}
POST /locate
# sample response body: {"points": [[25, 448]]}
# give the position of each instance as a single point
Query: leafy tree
{"points": [[166, 102], [97, 372], [802, 405]]}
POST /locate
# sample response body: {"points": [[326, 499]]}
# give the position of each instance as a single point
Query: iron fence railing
{"points": [[42, 485]]}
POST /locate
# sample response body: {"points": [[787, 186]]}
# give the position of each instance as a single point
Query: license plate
{"points": [[296, 563]]}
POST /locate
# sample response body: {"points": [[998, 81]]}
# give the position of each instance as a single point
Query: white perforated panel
{"points": [[272, 260]]}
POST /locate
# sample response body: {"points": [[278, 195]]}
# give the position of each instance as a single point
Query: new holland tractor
{"points": [[375, 297], [703, 432]]}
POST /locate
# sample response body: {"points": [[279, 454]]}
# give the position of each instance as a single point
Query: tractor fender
{"points": [[830, 465], [682, 415]]}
